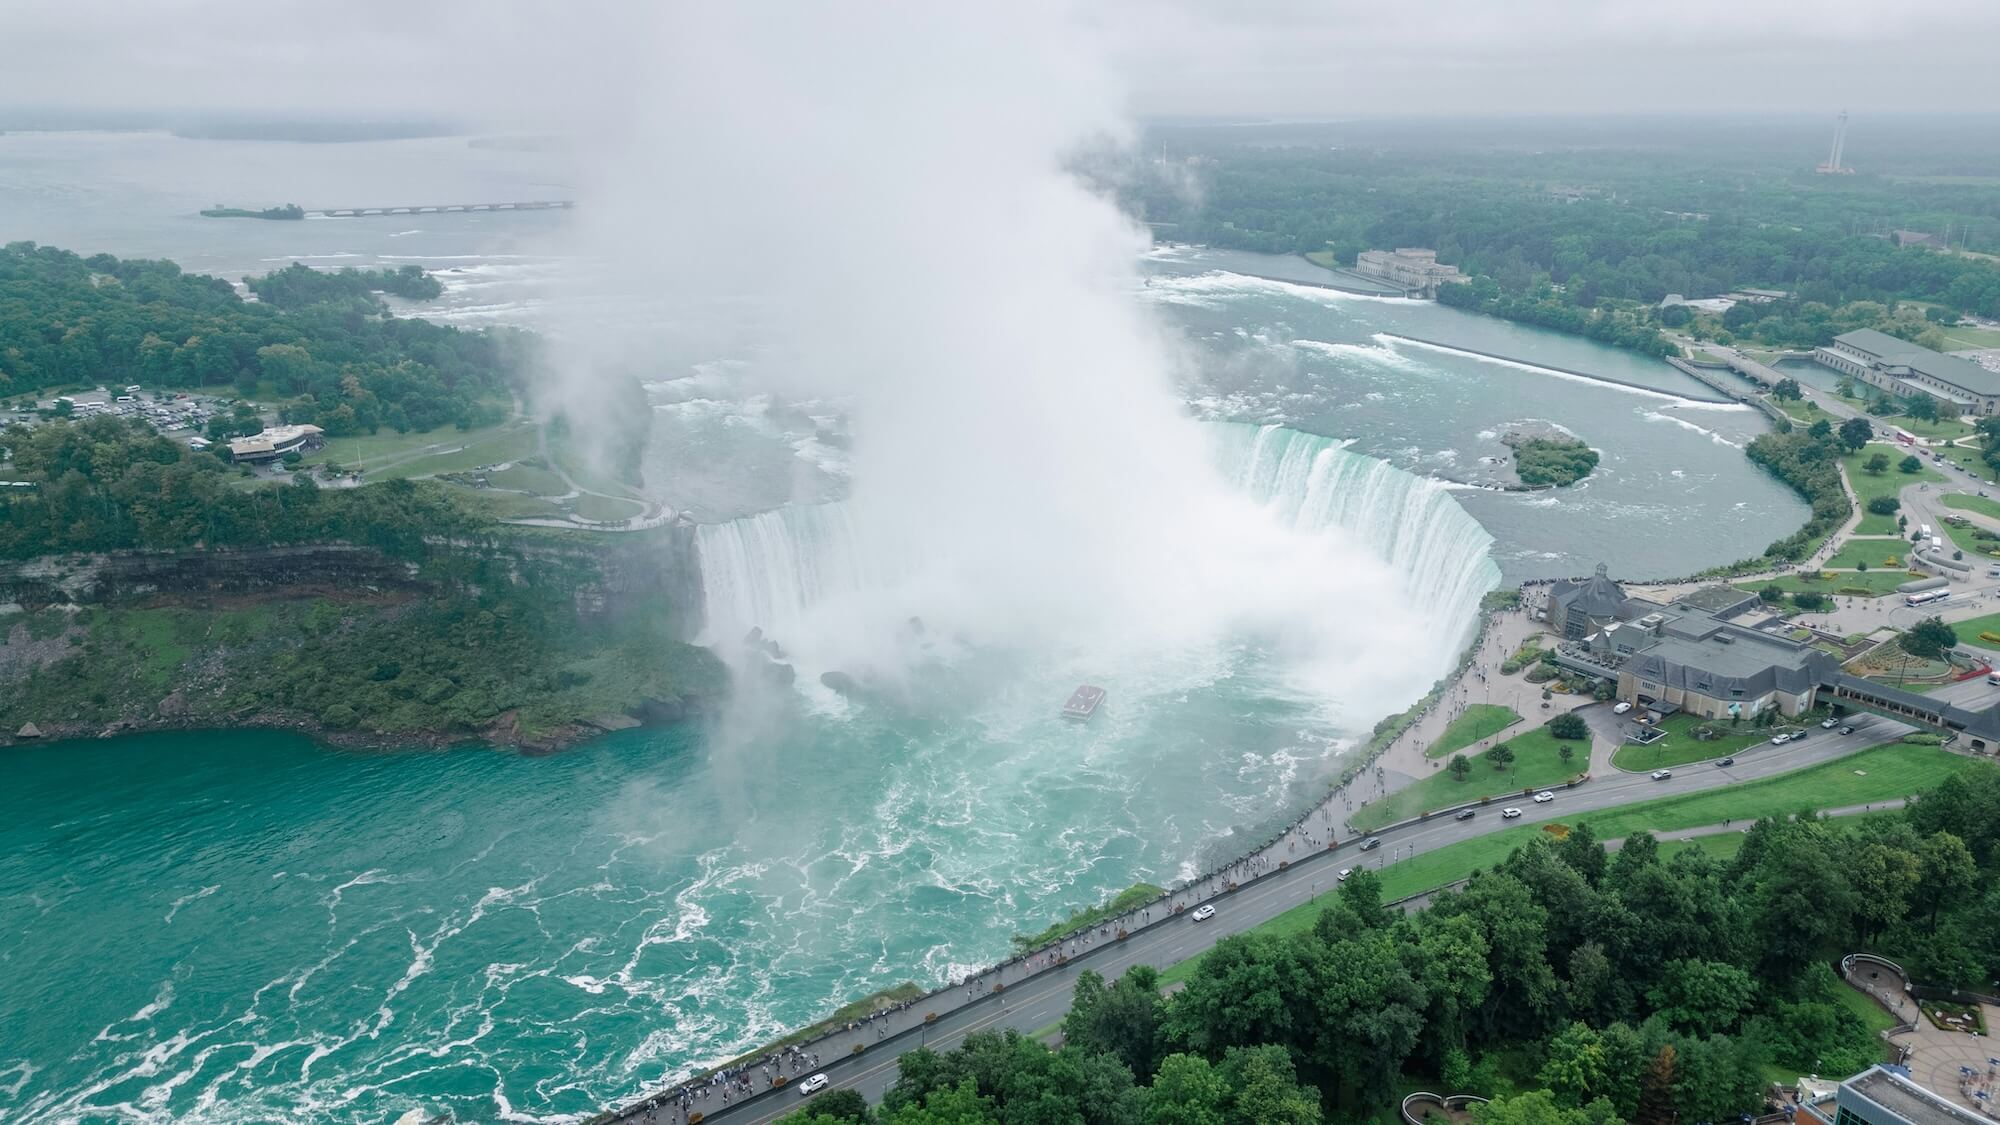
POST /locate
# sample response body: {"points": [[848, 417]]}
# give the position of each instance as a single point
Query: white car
{"points": [[1621, 708], [1344, 873], [1544, 797], [1204, 913], [812, 1086], [1662, 775], [1829, 724], [1509, 813], [1780, 739]]}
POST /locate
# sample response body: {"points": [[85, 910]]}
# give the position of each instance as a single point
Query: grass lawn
{"points": [[1966, 502], [1479, 721], [1866, 584], [1968, 631], [1867, 485], [606, 509], [1968, 458], [509, 505], [1967, 540], [528, 478], [1885, 552], [1680, 746], [1880, 774], [389, 455], [1967, 336], [1721, 847], [1804, 411], [1536, 765]]}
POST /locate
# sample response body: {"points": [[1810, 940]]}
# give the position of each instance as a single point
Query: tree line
{"points": [[1572, 986], [110, 483], [323, 340]]}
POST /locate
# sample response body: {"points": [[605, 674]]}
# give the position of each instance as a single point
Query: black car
{"points": [[1463, 814], [1371, 843], [1726, 762]]}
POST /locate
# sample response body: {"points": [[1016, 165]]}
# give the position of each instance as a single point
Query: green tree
{"points": [[1460, 767], [1876, 464], [1569, 725], [1855, 432], [1771, 594], [1187, 1091], [1266, 1088], [1575, 1069], [1947, 874], [1703, 997], [1910, 463], [1808, 599], [1930, 639], [1501, 756], [1656, 1090], [1820, 430], [1787, 389], [1884, 505]]}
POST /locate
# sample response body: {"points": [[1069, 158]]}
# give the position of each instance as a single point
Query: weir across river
{"points": [[444, 208]]}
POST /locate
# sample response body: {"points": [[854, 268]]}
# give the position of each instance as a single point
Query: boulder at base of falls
{"points": [[840, 682]]}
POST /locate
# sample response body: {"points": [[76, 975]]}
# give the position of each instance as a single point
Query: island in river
{"points": [[288, 211]]}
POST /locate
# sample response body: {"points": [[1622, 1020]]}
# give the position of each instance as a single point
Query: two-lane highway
{"points": [[1036, 997]]}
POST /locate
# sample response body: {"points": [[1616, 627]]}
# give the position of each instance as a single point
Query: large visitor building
{"points": [[1901, 369]]}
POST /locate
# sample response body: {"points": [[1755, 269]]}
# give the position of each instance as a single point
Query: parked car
{"points": [[1463, 814], [1509, 813], [1621, 708], [1662, 775], [1371, 843], [1544, 797], [1726, 762], [1829, 724], [1847, 730], [813, 1085], [1204, 912], [1344, 873], [1799, 735], [1780, 739]]}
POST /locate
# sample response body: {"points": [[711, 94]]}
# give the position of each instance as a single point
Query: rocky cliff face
{"points": [[608, 574]]}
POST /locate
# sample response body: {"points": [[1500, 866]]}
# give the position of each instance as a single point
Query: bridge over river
{"points": [[444, 208]]}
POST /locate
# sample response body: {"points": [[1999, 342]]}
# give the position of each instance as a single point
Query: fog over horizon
{"points": [[530, 65]]}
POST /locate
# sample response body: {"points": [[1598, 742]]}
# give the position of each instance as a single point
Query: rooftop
{"points": [[1907, 1100], [1893, 352]]}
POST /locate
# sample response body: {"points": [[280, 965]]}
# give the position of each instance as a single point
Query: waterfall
{"points": [[1410, 522], [768, 570]]}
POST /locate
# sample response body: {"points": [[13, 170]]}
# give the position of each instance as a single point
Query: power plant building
{"points": [[1901, 369], [1410, 267]]}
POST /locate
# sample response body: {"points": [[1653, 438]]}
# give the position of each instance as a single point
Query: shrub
{"points": [[1884, 505], [1569, 725]]}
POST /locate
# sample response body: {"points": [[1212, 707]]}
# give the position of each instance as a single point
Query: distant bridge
{"points": [[445, 208]]}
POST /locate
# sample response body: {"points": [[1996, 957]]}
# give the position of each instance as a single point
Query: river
{"points": [[243, 926]]}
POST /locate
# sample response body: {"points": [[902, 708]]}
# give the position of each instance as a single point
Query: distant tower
{"points": [[1833, 166]]}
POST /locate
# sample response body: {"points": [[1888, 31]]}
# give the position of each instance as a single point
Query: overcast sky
{"points": [[511, 62]]}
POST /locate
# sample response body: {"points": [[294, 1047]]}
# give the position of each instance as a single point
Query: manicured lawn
{"points": [[509, 505], [1479, 721], [1883, 552], [1719, 847], [606, 509], [1966, 336], [1966, 539], [1969, 459], [390, 454], [1881, 774], [1805, 411], [1968, 631], [1868, 584], [1868, 485], [1680, 746], [1536, 765], [1966, 502]]}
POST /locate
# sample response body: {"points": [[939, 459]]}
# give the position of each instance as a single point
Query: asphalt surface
{"points": [[1043, 996]]}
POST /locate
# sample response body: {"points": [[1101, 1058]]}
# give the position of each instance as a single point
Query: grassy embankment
{"points": [[1868, 486], [1881, 774], [1869, 584], [1879, 552], [1131, 898], [390, 664], [1480, 720], [1537, 764], [1966, 502], [1680, 746]]}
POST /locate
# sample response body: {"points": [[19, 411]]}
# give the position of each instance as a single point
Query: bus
{"points": [[1926, 597]]}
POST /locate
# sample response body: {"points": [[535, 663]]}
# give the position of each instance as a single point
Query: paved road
{"points": [[1039, 998]]}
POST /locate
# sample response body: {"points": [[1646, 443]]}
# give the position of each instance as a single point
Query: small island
{"points": [[288, 211], [1547, 457]]}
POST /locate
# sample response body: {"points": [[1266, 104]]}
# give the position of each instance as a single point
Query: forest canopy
{"points": [[322, 340]]}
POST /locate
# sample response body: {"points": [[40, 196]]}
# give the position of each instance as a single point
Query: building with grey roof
{"points": [[1901, 369], [1709, 667], [1581, 606], [1885, 1095]]}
